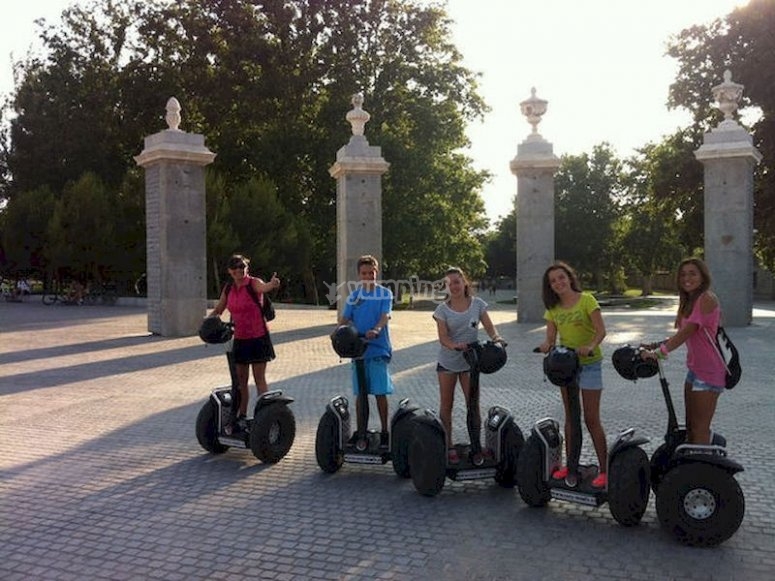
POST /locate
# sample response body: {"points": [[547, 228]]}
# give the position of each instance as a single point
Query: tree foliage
{"points": [[268, 84], [588, 189]]}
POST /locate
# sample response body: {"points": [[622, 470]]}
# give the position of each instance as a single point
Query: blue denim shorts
{"points": [[377, 376], [591, 376], [699, 385]]}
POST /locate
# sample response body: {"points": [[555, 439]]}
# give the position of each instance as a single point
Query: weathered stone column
{"points": [[534, 166], [358, 173], [729, 158], [174, 163]]}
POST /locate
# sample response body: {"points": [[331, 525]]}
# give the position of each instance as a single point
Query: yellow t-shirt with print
{"points": [[574, 325]]}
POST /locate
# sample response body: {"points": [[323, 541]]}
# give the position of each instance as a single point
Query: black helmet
{"points": [[561, 366], [213, 330], [347, 343], [492, 357], [630, 365]]}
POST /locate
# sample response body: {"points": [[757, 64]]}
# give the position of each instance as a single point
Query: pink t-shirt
{"points": [[701, 355], [247, 317]]}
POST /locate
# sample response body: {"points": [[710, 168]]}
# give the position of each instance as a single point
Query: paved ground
{"points": [[101, 476]]}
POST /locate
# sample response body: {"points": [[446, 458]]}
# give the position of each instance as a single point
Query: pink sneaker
{"points": [[560, 473], [601, 481], [452, 456]]}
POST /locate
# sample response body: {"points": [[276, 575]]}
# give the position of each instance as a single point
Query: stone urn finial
{"points": [[728, 95], [533, 108], [173, 114], [357, 116]]}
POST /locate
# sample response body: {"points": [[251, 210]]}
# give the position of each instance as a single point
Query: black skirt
{"points": [[257, 350]]}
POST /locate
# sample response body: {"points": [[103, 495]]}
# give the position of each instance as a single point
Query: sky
{"points": [[600, 64]]}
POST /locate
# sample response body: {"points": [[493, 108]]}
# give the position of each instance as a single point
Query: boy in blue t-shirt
{"points": [[368, 309]]}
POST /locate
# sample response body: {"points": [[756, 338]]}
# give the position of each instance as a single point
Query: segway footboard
{"points": [[707, 454]]}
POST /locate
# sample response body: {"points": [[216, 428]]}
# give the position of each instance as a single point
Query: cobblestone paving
{"points": [[101, 476]]}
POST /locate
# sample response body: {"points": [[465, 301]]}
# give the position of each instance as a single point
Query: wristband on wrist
{"points": [[376, 330], [663, 352]]}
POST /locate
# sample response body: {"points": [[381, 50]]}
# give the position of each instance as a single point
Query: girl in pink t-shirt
{"points": [[697, 321]]}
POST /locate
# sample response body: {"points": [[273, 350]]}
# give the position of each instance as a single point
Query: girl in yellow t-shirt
{"points": [[575, 316]]}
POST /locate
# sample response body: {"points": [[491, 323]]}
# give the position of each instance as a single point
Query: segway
{"points": [[428, 449], [699, 499], [627, 492], [269, 433], [336, 444]]}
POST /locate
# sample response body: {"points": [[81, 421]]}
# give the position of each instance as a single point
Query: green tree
{"points": [[268, 84], [501, 247], [588, 189], [23, 225], [81, 227]]}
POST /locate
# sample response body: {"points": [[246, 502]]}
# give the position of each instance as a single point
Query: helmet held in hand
{"points": [[213, 330], [347, 343], [562, 366]]}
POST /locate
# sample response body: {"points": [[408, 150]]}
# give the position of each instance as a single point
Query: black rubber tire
{"points": [[532, 488], [513, 442], [206, 428], [272, 433], [658, 466], [702, 483], [400, 441], [327, 452], [629, 485], [427, 459]]}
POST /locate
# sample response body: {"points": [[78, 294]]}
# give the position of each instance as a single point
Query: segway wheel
{"points": [[660, 460], [629, 485], [427, 459], [513, 441], [327, 452], [207, 429], [700, 504], [532, 487], [272, 433], [399, 449]]}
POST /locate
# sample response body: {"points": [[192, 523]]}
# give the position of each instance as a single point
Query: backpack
{"points": [[267, 308], [728, 354]]}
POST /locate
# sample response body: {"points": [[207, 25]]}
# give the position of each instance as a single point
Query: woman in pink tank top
{"points": [[252, 346], [697, 320]]}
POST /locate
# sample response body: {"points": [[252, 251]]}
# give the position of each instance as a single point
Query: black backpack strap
{"points": [[253, 294]]}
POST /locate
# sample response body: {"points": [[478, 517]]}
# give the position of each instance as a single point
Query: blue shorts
{"points": [[377, 376], [591, 376], [699, 385]]}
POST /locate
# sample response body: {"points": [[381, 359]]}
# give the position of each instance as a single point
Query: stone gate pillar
{"points": [[174, 163], [534, 166], [729, 158], [358, 173]]}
